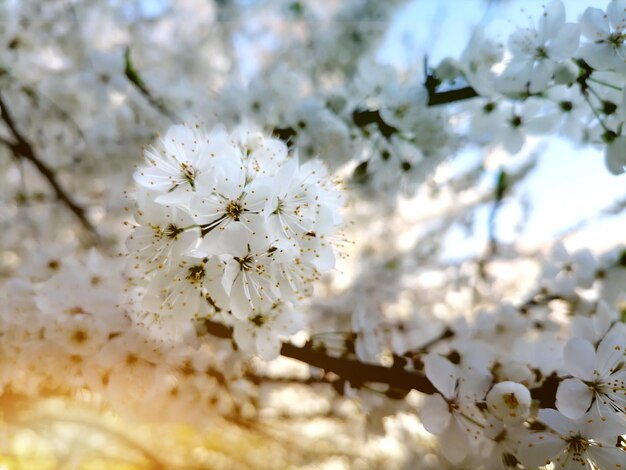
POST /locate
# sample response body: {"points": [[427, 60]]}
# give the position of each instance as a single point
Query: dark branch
{"points": [[358, 373], [436, 98], [365, 117], [446, 97], [23, 148]]}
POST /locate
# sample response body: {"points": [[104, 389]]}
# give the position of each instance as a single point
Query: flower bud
{"points": [[565, 73], [509, 401]]}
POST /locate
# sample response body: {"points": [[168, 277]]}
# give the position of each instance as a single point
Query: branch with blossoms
{"points": [[234, 225], [400, 379]]}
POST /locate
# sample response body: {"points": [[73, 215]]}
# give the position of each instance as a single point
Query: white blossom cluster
{"points": [[230, 225], [556, 76]]}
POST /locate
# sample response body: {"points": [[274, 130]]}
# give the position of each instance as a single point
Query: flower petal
{"points": [[558, 422], [455, 442], [538, 449], [595, 25], [441, 373], [607, 457], [573, 398], [579, 356], [435, 413], [610, 353]]}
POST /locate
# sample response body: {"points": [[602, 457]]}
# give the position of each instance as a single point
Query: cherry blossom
{"points": [[536, 51], [583, 443], [604, 31], [599, 376], [452, 414]]}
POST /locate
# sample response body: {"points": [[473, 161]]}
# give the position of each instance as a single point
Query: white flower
{"points": [[572, 110], [225, 196], [262, 333], [448, 69], [403, 106], [292, 210], [535, 51], [453, 414], [606, 49], [564, 272], [565, 73], [261, 155], [508, 125], [188, 290], [164, 232], [95, 290], [599, 374], [588, 442], [80, 335], [477, 61], [509, 401], [500, 450], [249, 278], [172, 170], [321, 132]]}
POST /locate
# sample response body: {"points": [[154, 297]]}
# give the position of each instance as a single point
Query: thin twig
{"points": [[23, 148]]}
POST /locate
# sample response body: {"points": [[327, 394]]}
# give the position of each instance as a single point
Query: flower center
{"points": [[616, 39], [577, 445], [196, 274], [188, 173], [279, 207], [541, 53], [510, 400], [234, 209], [79, 336], [246, 263], [258, 320], [172, 231]]}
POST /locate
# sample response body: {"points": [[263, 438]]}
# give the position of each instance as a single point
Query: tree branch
{"points": [[135, 79], [437, 98], [365, 117], [358, 373], [22, 148]]}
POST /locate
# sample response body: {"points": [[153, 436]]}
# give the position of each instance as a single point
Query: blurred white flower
{"points": [[606, 49]]}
